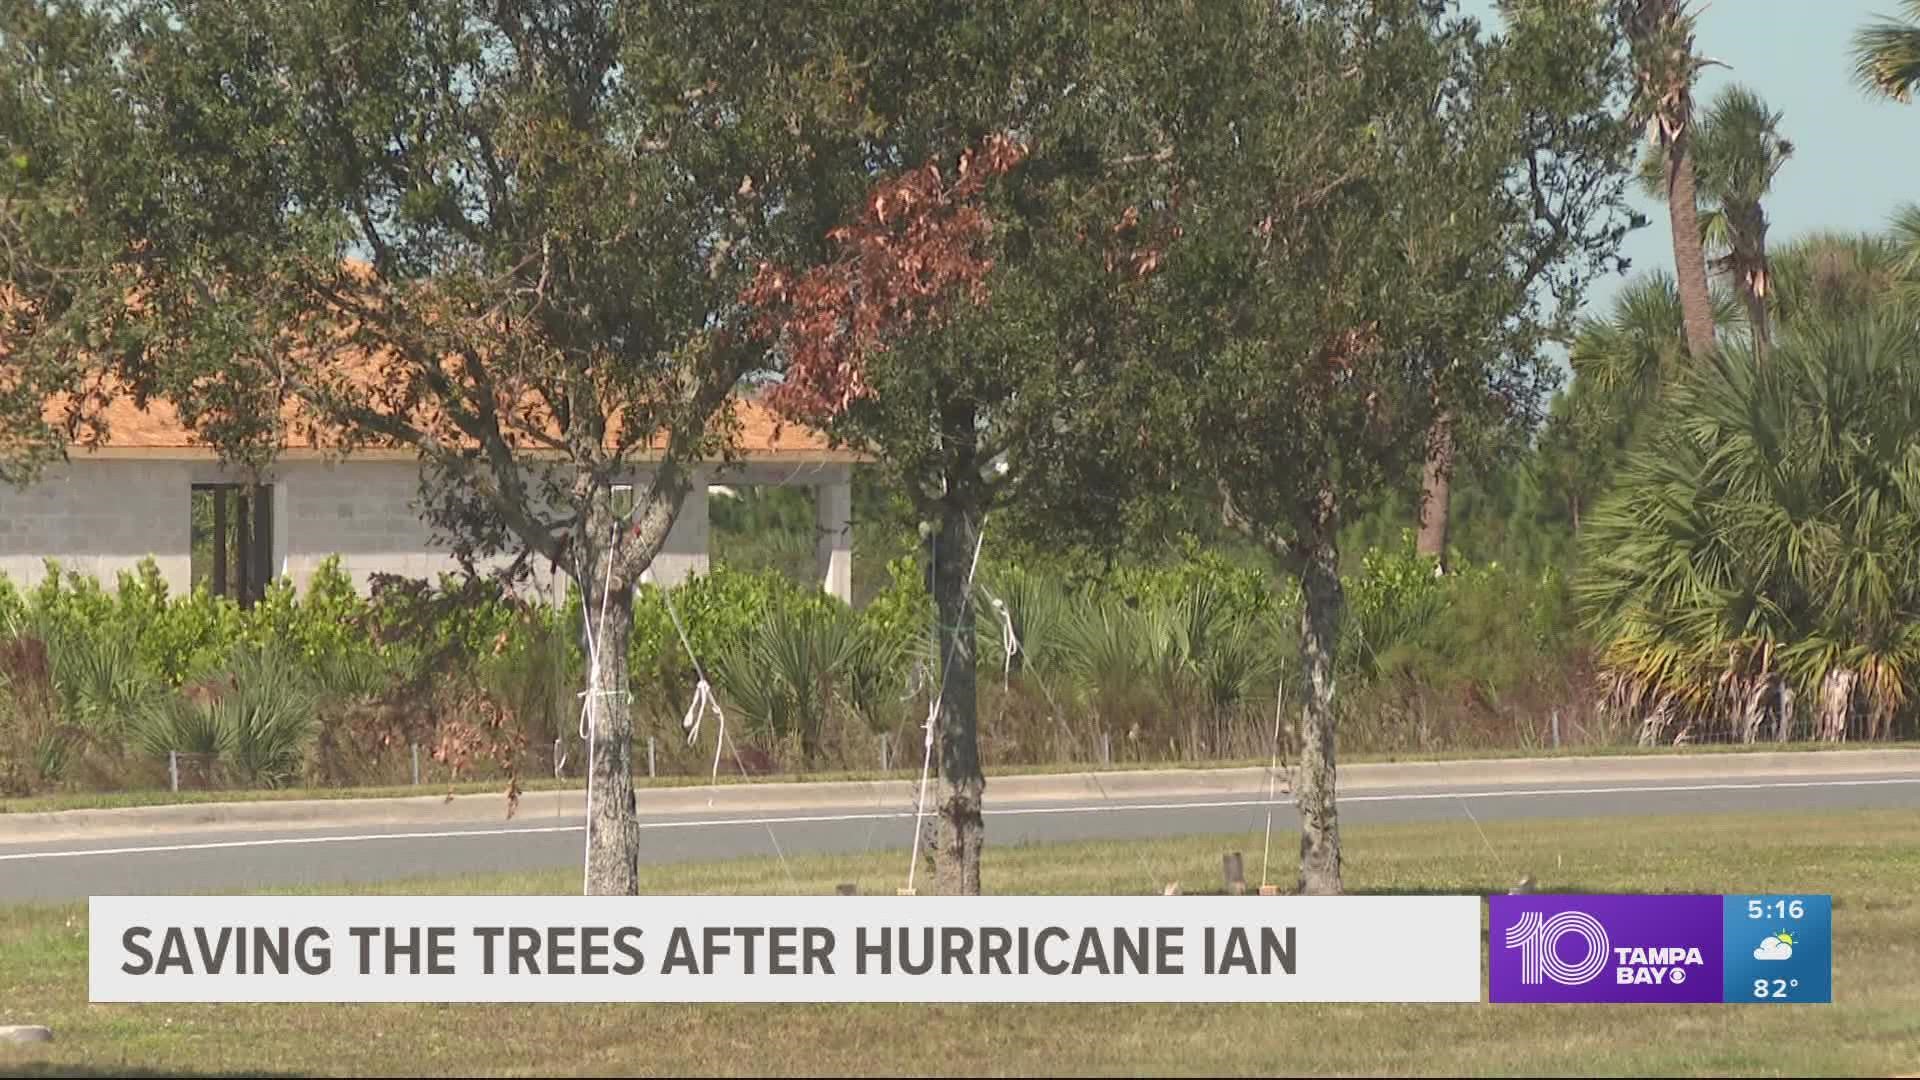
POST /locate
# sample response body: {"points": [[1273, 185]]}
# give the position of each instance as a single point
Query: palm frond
{"points": [[1773, 511], [1886, 55]]}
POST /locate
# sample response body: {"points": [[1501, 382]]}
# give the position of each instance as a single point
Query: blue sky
{"points": [[1855, 159]]}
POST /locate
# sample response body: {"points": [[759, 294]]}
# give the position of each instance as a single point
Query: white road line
{"points": [[1021, 811]]}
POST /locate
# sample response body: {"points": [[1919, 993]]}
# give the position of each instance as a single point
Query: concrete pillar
{"points": [[685, 553], [833, 547], [282, 528]]}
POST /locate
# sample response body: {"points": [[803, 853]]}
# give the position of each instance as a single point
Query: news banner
{"points": [[1734, 949]]}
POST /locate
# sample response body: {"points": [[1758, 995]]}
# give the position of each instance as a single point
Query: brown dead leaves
{"points": [[914, 252]]}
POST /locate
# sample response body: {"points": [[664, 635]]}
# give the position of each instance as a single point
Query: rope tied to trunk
{"points": [[933, 708], [704, 700], [590, 697], [1009, 638]]}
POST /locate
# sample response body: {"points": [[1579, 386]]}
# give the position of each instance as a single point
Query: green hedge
{"points": [[1181, 659]]}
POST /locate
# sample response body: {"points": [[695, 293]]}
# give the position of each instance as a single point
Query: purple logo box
{"points": [[1604, 948]]}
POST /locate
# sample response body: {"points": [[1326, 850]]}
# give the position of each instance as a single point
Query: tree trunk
{"points": [[1653, 729], [1757, 319], [1689, 257], [1836, 705], [613, 837], [962, 785], [1753, 708], [1436, 491], [1320, 614]]}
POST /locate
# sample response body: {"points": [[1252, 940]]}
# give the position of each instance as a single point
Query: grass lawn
{"points": [[105, 800], [1869, 861]]}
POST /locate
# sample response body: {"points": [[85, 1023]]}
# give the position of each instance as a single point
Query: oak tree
{"points": [[507, 237], [1356, 249], [973, 287]]}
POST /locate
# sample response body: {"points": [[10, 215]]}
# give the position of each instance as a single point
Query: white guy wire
{"points": [[933, 710]]}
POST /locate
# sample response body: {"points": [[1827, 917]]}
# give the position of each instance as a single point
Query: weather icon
{"points": [[1777, 947]]}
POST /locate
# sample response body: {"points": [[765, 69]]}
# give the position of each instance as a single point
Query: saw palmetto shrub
{"points": [[1756, 576]]}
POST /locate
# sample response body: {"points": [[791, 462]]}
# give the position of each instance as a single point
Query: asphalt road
{"points": [[209, 861]]}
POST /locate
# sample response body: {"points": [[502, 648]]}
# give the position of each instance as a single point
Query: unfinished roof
{"points": [[157, 431]]}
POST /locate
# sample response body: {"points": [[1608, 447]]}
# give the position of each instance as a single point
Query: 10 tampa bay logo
{"points": [[1605, 948], [1538, 939]]}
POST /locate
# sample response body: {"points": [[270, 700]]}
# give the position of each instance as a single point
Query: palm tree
{"points": [[1831, 274], [1763, 545], [1742, 151], [1886, 54], [1739, 150], [1637, 350], [1661, 35], [1905, 235], [1623, 363]]}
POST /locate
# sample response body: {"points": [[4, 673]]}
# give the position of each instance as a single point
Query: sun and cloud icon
{"points": [[1776, 947]]}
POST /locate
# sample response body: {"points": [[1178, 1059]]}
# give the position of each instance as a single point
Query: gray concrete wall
{"points": [[102, 516]]}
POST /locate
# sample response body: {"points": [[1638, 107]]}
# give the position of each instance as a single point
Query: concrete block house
{"points": [[152, 491]]}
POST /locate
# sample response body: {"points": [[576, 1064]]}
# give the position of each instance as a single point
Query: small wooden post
{"points": [[1232, 867], [650, 768], [173, 770], [1106, 749], [416, 764], [1556, 729], [1269, 890]]}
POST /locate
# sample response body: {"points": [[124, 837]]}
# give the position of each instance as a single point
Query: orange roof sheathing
{"points": [[157, 431]]}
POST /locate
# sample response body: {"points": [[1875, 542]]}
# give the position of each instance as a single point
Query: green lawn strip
{"points": [[107, 800], [1868, 860]]}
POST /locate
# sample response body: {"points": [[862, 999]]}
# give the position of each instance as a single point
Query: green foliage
{"points": [[717, 610], [1301, 382], [1177, 659], [13, 607], [788, 671], [1244, 587], [418, 621], [266, 716], [764, 528], [1769, 531], [1395, 600], [191, 635], [902, 611], [1482, 625], [1737, 151], [1828, 274], [536, 673], [1886, 54], [1040, 608], [178, 725]]}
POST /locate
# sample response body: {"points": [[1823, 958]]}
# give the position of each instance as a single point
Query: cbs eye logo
{"points": [[1538, 939]]}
